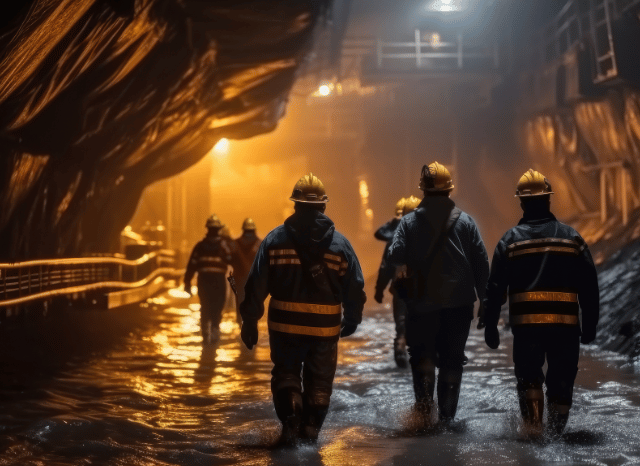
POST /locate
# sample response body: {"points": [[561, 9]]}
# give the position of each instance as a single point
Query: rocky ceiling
{"points": [[100, 98]]}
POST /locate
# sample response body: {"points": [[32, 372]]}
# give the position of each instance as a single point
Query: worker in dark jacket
{"points": [[548, 273], [386, 275], [246, 247], [209, 259], [442, 264], [386, 231], [312, 274]]}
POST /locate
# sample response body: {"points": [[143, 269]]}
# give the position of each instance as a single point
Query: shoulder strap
{"points": [[446, 228], [314, 270]]}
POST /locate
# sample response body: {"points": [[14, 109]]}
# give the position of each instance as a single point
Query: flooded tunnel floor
{"points": [[156, 396]]}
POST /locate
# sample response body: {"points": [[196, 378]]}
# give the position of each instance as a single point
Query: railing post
{"points": [[603, 195], [460, 51], [418, 49], [623, 196], [379, 52]]}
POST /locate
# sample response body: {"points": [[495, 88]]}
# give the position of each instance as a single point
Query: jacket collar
{"points": [[537, 219]]}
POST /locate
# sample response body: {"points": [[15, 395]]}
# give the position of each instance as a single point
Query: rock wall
{"points": [[100, 98]]}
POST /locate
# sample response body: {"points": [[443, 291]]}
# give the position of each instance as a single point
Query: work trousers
{"points": [[399, 317], [304, 365], [560, 347], [212, 288], [438, 338]]}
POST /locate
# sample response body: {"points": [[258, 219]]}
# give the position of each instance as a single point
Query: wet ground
{"points": [[138, 388]]}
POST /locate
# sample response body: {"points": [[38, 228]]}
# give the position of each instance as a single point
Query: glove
{"points": [[187, 288], [347, 328], [249, 333], [492, 337], [481, 323], [587, 338], [379, 296]]}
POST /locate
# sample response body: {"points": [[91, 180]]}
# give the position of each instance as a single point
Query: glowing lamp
{"points": [[221, 149]]}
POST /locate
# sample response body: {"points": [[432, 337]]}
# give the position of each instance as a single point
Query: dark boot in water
{"points": [[532, 408], [423, 387], [288, 404], [400, 352], [448, 393], [557, 418]]}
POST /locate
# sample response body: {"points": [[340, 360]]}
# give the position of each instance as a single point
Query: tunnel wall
{"points": [[99, 99]]}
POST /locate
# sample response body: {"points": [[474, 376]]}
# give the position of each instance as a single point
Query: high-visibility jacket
{"points": [[209, 256], [298, 306], [546, 270]]}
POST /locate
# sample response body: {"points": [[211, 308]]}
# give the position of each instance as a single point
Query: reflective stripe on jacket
{"points": [[209, 256], [546, 269], [298, 306]]}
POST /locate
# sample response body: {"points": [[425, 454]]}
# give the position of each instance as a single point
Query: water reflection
{"points": [[158, 396]]}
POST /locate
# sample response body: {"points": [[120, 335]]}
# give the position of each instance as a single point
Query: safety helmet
{"points": [[400, 205], [309, 189], [225, 232], [248, 225], [533, 183], [410, 205], [435, 178], [213, 222]]}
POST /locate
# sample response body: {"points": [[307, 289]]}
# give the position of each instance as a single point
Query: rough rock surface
{"points": [[100, 98]]}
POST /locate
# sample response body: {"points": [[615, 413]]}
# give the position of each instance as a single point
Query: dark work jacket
{"points": [[459, 269], [277, 271], [209, 257], [386, 271], [386, 231], [543, 255], [246, 248]]}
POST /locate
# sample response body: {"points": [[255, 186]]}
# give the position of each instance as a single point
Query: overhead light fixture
{"points": [[324, 90], [445, 6]]}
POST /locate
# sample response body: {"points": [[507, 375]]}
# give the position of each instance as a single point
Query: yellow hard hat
{"points": [[309, 189], [410, 205], [248, 224], [400, 205], [224, 231], [435, 178], [533, 183], [214, 222]]}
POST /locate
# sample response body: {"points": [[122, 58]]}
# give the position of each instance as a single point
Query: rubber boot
{"points": [[400, 351], [448, 393], [532, 408], [313, 416], [288, 404], [557, 418], [423, 387]]}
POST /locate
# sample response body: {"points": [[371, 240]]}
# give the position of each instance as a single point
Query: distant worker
{"points": [[386, 274], [209, 259], [246, 247], [442, 264], [546, 268], [311, 271], [386, 231]]}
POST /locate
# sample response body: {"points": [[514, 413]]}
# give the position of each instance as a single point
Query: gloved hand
{"points": [[379, 296], [347, 328], [249, 333], [587, 337], [187, 288], [492, 337], [481, 322]]}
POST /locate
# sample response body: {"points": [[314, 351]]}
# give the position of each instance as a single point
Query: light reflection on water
{"points": [[159, 397]]}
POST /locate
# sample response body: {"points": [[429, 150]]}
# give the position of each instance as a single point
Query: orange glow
{"points": [[364, 190], [369, 214], [221, 149]]}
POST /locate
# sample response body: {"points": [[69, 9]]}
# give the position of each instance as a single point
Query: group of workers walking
{"points": [[437, 265]]}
